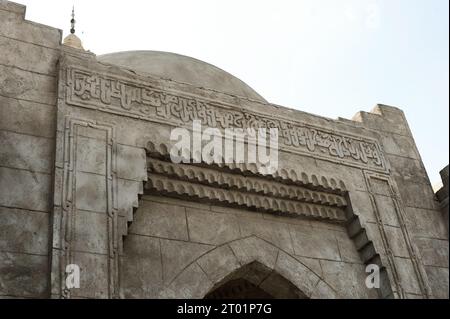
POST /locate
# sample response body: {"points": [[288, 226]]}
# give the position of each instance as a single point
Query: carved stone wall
{"points": [[85, 179], [114, 94], [442, 194]]}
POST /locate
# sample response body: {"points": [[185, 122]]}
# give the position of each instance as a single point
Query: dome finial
{"points": [[72, 40], [72, 21]]}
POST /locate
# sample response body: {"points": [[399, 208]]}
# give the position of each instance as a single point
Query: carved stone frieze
{"points": [[114, 94]]}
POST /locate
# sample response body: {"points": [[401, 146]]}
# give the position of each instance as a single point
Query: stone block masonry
{"points": [[86, 179]]}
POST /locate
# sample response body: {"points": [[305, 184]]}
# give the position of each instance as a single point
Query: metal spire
{"points": [[72, 40], [72, 21]]}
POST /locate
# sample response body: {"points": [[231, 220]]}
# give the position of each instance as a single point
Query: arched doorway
{"points": [[276, 272], [254, 281], [238, 289]]}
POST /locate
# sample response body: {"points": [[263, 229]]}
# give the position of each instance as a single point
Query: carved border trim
{"points": [[394, 195], [66, 229]]}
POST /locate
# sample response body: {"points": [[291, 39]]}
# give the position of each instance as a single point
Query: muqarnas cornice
{"points": [[241, 185]]}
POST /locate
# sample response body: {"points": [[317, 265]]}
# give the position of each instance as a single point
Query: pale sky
{"points": [[327, 57]]}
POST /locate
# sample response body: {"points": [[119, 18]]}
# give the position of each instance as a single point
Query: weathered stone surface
{"points": [[438, 278], [13, 7], [76, 136], [408, 169], [141, 275], [176, 255], [218, 263], [127, 155], [128, 192], [442, 195], [434, 252], [361, 206], [27, 117], [91, 155], [91, 192], [310, 242], [311, 263], [384, 118], [426, 223], [23, 275], [176, 202], [89, 132], [91, 232], [348, 279], [24, 189], [295, 272], [252, 249], [354, 176], [273, 232], [282, 219], [239, 213], [24, 231], [318, 225], [14, 26], [28, 56], [211, 228], [387, 211], [162, 220], [93, 275], [407, 275], [399, 145], [323, 290], [191, 283], [347, 248], [26, 152], [28, 86], [416, 195], [396, 241]]}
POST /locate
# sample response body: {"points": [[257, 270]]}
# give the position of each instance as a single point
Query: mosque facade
{"points": [[93, 206]]}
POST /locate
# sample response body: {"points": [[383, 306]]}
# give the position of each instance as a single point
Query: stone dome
{"points": [[181, 68]]}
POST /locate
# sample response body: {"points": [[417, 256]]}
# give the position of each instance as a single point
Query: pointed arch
{"points": [[255, 260]]}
